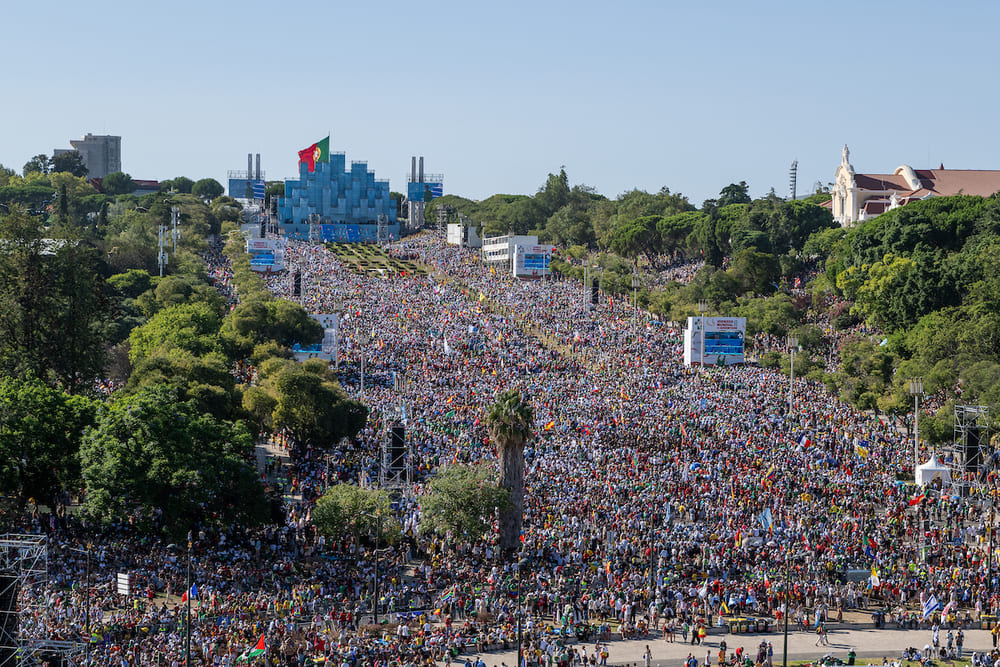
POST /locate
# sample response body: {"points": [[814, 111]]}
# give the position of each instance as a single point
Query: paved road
{"points": [[869, 643]]}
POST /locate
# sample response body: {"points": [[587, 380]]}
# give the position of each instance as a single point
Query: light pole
{"points": [[86, 610], [989, 560], [788, 605], [363, 338], [521, 564], [793, 344], [338, 310], [378, 529], [916, 389], [636, 282], [187, 630], [175, 216], [702, 308], [187, 626]]}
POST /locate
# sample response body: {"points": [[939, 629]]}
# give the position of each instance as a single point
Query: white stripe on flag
{"points": [[930, 606]]}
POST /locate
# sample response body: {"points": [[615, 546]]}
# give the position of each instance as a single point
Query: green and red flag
{"points": [[318, 152], [254, 652]]}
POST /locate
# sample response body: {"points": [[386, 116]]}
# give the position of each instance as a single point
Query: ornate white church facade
{"points": [[857, 197]]}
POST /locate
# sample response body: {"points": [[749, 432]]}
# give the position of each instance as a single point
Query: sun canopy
{"points": [[933, 469]]}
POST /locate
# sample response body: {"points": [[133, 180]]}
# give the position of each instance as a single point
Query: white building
{"points": [[858, 197], [521, 255], [463, 236]]}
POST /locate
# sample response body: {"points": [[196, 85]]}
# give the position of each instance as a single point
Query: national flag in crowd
{"points": [[192, 592], [766, 519], [917, 499], [318, 152], [684, 433], [771, 474], [798, 281], [549, 426], [860, 450], [254, 652], [930, 606]]}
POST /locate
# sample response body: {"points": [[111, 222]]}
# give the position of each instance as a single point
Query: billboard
{"points": [[532, 261], [722, 343], [266, 255], [238, 187], [423, 191]]}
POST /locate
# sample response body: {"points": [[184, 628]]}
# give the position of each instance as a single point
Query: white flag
{"points": [[447, 348], [930, 606]]}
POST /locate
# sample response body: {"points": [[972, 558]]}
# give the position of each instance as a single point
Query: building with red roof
{"points": [[857, 197]]}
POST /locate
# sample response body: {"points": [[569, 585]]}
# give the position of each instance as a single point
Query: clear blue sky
{"points": [[628, 94]]}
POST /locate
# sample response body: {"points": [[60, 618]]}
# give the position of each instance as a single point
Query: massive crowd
{"points": [[658, 498]]}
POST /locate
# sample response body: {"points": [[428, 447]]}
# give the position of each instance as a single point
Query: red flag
{"points": [[318, 152]]}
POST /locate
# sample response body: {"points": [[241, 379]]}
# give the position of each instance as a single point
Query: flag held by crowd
{"points": [[931, 605], [191, 593], [254, 652]]}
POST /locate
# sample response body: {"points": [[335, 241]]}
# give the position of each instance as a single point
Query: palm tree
{"points": [[509, 423]]}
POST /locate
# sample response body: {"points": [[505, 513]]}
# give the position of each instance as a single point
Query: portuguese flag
{"points": [[318, 152]]}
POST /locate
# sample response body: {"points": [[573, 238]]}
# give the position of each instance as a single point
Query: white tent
{"points": [[928, 472]]}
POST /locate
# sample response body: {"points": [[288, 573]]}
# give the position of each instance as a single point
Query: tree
{"points": [[39, 164], [509, 423], [51, 302], [675, 229], [207, 188], [207, 380], [193, 327], [160, 464], [118, 183], [305, 401], [70, 161], [775, 315], [179, 290], [180, 185], [227, 209], [40, 432], [258, 321], [346, 510], [734, 194], [554, 194], [638, 236], [462, 500], [755, 271], [571, 224]]}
